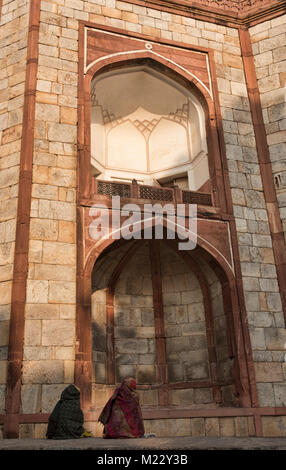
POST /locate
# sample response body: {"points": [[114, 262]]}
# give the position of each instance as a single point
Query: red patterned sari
{"points": [[122, 416]]}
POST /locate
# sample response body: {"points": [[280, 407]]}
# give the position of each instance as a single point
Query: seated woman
{"points": [[66, 420], [122, 416]]}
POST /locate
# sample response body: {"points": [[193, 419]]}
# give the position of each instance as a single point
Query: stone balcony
{"points": [[142, 194]]}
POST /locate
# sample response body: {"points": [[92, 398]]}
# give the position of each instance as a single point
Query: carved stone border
{"points": [[204, 11]]}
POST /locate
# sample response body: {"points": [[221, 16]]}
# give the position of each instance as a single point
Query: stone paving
{"points": [[167, 443]]}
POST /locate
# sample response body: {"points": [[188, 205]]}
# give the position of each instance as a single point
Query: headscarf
{"points": [[122, 416]]}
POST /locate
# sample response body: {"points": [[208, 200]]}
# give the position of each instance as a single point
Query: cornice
{"points": [[232, 13]]}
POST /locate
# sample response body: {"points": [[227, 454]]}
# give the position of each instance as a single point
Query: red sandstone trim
{"points": [[208, 413], [220, 151], [239, 317], [177, 385], [132, 34], [83, 353], [272, 207], [168, 412], [258, 425], [16, 338], [110, 346], [83, 356]]}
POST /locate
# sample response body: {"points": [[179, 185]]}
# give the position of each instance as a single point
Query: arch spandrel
{"points": [[212, 237], [104, 46]]}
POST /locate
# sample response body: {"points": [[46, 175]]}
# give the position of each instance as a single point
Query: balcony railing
{"points": [[145, 193]]}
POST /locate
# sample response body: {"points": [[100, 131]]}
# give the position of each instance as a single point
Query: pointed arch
{"points": [[100, 246], [124, 59], [178, 74]]}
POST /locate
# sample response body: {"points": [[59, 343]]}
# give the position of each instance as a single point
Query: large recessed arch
{"points": [[219, 372], [226, 280]]}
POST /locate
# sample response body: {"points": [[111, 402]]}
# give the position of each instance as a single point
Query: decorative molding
{"points": [[238, 6], [232, 13]]}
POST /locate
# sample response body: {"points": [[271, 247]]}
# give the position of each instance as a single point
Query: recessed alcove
{"points": [[148, 127], [168, 330]]}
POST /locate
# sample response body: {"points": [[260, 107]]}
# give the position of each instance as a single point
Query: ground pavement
{"points": [[160, 443]]}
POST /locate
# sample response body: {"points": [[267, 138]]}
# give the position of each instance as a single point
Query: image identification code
{"points": [[145, 459], [163, 459]]}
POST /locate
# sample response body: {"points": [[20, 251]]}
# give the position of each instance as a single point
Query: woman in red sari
{"points": [[122, 416]]}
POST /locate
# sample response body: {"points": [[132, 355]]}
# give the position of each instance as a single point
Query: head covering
{"points": [[122, 416], [70, 393], [130, 382], [66, 420]]}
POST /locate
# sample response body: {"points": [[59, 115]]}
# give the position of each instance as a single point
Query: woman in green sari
{"points": [[66, 420]]}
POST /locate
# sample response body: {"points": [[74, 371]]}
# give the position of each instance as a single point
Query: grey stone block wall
{"points": [[267, 325], [269, 49], [186, 341], [135, 349], [185, 327], [98, 329]]}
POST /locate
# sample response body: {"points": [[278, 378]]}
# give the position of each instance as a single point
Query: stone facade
{"points": [[14, 28], [185, 326], [50, 299], [198, 427], [135, 353], [268, 44]]}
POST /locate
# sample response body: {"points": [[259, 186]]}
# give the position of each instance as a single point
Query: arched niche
{"points": [[148, 127], [198, 335]]}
